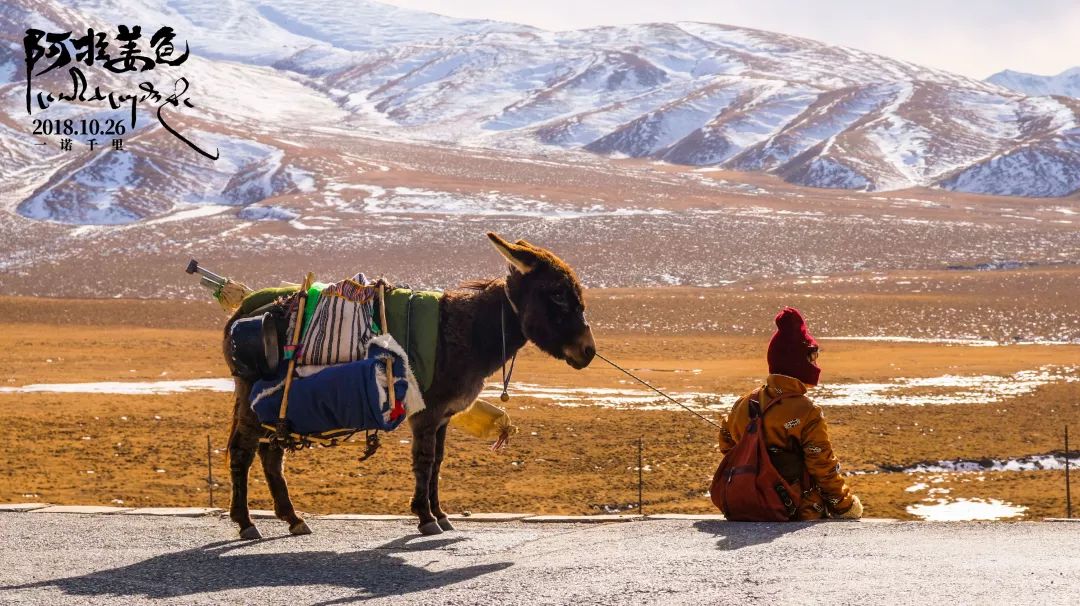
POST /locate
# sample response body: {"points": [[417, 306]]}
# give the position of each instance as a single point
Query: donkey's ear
{"points": [[521, 258]]}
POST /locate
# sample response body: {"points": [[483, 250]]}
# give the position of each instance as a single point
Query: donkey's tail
{"points": [[235, 422], [241, 393], [228, 443]]}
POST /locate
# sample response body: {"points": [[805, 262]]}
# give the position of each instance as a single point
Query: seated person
{"points": [[795, 432]]}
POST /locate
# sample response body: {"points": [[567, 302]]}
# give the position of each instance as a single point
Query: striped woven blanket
{"points": [[340, 324]]}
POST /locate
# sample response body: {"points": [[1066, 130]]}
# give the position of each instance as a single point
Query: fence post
{"points": [[640, 503], [210, 470], [1068, 488]]}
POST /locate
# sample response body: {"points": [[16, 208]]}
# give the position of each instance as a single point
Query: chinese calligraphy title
{"points": [[60, 49]]}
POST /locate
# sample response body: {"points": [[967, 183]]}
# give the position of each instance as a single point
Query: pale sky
{"points": [[972, 37]]}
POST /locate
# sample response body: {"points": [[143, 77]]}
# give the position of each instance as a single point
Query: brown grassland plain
{"points": [[151, 449]]}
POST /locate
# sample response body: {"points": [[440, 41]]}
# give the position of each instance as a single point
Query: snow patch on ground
{"points": [[618, 398], [898, 339], [1030, 463], [190, 212], [946, 389], [127, 387], [955, 510], [302, 179], [412, 201], [268, 213]]}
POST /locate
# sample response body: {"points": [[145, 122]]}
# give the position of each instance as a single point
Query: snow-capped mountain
{"points": [[1066, 84], [266, 74]]}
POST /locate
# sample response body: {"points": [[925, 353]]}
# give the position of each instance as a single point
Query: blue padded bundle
{"points": [[343, 396]]}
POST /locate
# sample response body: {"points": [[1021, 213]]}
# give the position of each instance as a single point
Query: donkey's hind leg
{"points": [[242, 445], [273, 464]]}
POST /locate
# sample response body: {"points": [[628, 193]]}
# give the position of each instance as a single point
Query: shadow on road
{"points": [[736, 535], [223, 566]]}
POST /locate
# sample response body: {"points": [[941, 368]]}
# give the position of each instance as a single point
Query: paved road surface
{"points": [[59, 559]]}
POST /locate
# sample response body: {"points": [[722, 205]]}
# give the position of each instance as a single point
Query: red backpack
{"points": [[746, 486]]}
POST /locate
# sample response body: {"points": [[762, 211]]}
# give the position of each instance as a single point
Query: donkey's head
{"points": [[548, 300]]}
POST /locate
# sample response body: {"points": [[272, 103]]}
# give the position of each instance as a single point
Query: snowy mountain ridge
{"points": [[1066, 84]]}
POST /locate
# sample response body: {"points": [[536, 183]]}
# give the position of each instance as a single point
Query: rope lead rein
{"points": [[647, 384], [505, 395]]}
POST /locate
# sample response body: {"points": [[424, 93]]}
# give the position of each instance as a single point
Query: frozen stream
{"points": [[920, 391]]}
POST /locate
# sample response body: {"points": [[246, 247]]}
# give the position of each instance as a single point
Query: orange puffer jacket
{"points": [[796, 426]]}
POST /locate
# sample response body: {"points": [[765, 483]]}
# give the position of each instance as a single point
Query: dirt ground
{"points": [[151, 449]]}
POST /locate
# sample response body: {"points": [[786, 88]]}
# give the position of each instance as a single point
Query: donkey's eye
{"points": [[558, 298]]}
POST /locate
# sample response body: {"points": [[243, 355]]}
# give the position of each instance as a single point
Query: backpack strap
{"points": [[756, 410]]}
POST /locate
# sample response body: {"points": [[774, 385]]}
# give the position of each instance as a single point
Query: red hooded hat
{"points": [[790, 348]]}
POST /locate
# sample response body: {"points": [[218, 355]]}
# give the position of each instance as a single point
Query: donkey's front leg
{"points": [[433, 485], [424, 428]]}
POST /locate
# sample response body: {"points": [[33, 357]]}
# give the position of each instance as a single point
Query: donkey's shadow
{"points": [[374, 572]]}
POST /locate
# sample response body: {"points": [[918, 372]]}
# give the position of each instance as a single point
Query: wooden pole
{"points": [[210, 471], [1068, 488], [282, 424], [640, 470], [386, 330]]}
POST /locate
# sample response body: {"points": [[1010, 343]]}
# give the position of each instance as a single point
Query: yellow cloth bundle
{"points": [[484, 420], [231, 294]]}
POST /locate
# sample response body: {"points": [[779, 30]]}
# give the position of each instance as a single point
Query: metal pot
{"points": [[254, 347]]}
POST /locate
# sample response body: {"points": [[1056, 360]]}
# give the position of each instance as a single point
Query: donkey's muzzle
{"points": [[580, 353]]}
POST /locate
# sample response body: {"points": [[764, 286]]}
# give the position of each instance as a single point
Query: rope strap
{"points": [[505, 395], [649, 385]]}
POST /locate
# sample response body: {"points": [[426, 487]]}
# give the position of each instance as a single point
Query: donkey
{"points": [[481, 325]]}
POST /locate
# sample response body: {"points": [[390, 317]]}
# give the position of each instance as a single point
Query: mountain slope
{"points": [[716, 95], [266, 73], [264, 31]]}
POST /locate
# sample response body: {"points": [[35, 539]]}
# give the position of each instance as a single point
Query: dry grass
{"points": [[566, 460]]}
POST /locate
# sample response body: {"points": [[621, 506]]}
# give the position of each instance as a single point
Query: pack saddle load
{"points": [[325, 365]]}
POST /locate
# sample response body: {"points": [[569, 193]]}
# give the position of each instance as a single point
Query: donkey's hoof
{"points": [[430, 528], [250, 533], [445, 524], [300, 528]]}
